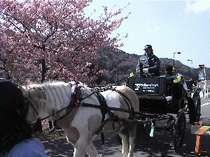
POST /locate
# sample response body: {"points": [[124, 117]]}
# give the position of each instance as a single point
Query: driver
{"points": [[151, 64]]}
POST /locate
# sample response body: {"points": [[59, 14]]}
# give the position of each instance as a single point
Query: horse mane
{"points": [[54, 92], [37, 85]]}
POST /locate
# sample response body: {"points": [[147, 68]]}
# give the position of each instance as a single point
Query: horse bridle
{"points": [[75, 102], [29, 103]]}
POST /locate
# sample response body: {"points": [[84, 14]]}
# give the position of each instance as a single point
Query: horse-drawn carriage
{"points": [[163, 99], [80, 106]]}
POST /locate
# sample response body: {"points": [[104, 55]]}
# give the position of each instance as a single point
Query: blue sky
{"points": [[168, 25]]}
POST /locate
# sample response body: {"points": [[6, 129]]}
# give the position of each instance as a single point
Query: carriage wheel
{"points": [[197, 104], [179, 130]]}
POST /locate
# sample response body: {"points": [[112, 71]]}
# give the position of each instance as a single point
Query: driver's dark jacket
{"points": [[154, 66]]}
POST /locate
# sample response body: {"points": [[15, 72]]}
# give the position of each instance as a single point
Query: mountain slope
{"points": [[118, 64]]}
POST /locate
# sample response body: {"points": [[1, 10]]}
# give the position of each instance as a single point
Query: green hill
{"points": [[118, 64]]}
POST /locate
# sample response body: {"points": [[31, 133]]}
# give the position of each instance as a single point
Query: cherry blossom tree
{"points": [[55, 32]]}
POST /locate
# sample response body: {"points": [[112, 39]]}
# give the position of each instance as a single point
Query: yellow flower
{"points": [[178, 79]]}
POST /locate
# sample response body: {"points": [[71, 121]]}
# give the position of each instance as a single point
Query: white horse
{"points": [[80, 122]]}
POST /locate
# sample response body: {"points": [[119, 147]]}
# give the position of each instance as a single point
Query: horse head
{"points": [[36, 100]]}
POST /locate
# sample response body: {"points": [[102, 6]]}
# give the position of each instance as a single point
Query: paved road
{"points": [[159, 146]]}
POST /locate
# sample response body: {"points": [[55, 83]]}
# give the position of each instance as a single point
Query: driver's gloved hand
{"points": [[145, 70]]}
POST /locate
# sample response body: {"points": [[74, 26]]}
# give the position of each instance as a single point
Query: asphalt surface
{"points": [[161, 145]]}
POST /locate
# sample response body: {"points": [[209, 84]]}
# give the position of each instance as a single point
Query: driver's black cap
{"points": [[147, 47]]}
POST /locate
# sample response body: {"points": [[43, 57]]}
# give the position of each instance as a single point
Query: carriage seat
{"points": [[159, 86], [151, 86]]}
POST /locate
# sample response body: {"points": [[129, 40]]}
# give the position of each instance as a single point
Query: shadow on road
{"points": [[161, 145]]}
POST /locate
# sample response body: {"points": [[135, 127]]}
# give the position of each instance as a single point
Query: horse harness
{"points": [[77, 99], [76, 102], [105, 109]]}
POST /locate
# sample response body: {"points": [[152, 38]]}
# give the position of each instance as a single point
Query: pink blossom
{"points": [[58, 32]]}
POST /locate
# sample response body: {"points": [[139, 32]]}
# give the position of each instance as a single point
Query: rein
{"points": [[75, 102], [108, 108], [31, 104], [128, 103]]}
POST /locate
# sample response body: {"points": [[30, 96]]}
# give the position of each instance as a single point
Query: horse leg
{"points": [[93, 123], [125, 143], [132, 135], [80, 147], [85, 142], [91, 150]]}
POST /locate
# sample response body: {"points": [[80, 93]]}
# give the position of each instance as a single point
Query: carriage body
{"points": [[160, 95]]}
